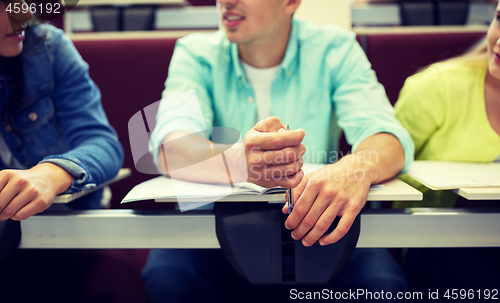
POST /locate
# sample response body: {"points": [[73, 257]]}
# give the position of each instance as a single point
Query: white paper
{"points": [[442, 175]]}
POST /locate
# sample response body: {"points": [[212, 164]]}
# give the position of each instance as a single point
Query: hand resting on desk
{"points": [[341, 190], [24, 193]]}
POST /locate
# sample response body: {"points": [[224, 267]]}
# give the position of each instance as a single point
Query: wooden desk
{"points": [[419, 227], [122, 174], [392, 190], [479, 193], [161, 189]]}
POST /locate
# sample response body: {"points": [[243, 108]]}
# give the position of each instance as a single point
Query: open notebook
{"points": [[165, 189]]}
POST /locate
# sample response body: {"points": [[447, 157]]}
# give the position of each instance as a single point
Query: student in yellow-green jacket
{"points": [[452, 111]]}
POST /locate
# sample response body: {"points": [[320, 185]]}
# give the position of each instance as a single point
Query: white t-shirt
{"points": [[261, 80]]}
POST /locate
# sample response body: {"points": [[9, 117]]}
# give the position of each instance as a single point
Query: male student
{"points": [[267, 70]]}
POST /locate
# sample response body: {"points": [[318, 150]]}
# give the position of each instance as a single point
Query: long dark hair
{"points": [[13, 69]]}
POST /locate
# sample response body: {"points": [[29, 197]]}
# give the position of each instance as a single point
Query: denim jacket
{"points": [[61, 119]]}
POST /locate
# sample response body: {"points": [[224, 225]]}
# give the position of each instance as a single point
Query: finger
{"points": [[4, 179], [9, 192], [322, 225], [296, 192], [283, 170], [290, 181], [299, 189], [310, 220], [18, 202], [285, 207], [275, 141], [270, 124], [286, 155], [302, 206], [342, 228], [30, 209], [285, 182]]}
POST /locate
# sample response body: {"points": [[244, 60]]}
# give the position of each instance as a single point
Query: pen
{"points": [[290, 198]]}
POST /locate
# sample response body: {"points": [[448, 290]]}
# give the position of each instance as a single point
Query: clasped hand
{"points": [[273, 154]]}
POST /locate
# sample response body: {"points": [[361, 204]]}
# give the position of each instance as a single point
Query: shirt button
{"points": [[8, 128], [288, 73], [33, 116], [250, 99]]}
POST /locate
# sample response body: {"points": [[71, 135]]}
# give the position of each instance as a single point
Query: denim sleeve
{"points": [[186, 103], [95, 154], [360, 102]]}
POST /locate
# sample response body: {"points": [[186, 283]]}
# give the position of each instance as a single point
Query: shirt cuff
{"points": [[402, 135], [82, 181]]}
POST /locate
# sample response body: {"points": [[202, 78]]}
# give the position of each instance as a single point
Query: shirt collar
{"points": [[289, 63]]}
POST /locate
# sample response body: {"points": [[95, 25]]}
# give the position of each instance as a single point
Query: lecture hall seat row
{"points": [[130, 73]]}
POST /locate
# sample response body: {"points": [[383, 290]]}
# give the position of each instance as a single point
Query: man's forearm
{"points": [[383, 156], [192, 158]]}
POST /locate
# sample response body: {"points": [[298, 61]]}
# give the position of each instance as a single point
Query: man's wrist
{"points": [[372, 171], [236, 161], [364, 163]]}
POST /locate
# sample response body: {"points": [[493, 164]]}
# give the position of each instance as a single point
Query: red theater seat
{"points": [[130, 74], [395, 57]]}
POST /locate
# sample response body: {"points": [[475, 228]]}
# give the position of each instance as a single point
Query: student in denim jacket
{"points": [[53, 129], [54, 138]]}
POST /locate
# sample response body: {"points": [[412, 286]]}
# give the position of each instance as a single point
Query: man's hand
{"points": [[341, 189], [338, 189], [273, 154], [24, 193]]}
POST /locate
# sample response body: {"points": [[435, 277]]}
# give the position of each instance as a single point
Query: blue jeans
{"points": [[204, 275]]}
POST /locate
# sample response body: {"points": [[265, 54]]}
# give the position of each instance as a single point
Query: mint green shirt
{"points": [[325, 84]]}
